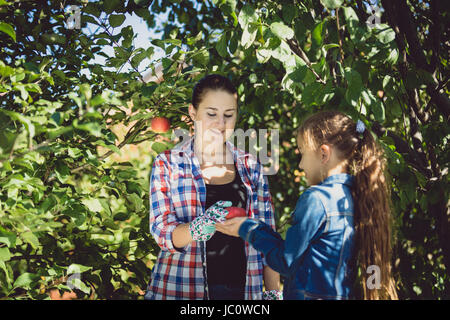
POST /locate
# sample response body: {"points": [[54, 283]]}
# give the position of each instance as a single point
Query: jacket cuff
{"points": [[246, 228]]}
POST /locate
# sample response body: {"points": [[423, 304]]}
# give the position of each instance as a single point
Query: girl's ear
{"points": [[325, 153], [192, 112]]}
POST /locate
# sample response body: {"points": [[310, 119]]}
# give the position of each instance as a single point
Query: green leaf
{"points": [[122, 216], [76, 283], [8, 29], [7, 237], [147, 91], [159, 147], [77, 212], [351, 19], [30, 238], [331, 4], [385, 34], [316, 34], [281, 30], [5, 255], [378, 111], [93, 128], [330, 46], [62, 171], [25, 279], [136, 201], [93, 204], [310, 93], [355, 86], [77, 268], [201, 57], [248, 36], [246, 16], [116, 20], [105, 205], [222, 45], [24, 120]]}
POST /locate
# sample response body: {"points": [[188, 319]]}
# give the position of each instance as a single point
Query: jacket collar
{"points": [[343, 178]]}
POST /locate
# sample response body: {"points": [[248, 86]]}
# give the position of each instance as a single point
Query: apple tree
{"points": [[74, 213]]}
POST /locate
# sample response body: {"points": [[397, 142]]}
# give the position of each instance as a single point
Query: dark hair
{"points": [[211, 82], [372, 211]]}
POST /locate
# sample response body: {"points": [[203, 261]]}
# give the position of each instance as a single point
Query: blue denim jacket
{"points": [[315, 257]]}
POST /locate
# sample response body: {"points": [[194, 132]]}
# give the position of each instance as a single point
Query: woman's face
{"points": [[215, 116]]}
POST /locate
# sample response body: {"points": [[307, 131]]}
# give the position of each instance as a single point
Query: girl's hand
{"points": [[231, 227]]}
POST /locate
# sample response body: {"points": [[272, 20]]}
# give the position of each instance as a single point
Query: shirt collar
{"points": [[343, 178]]}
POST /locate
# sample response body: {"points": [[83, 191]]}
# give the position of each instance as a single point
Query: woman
{"points": [[193, 177]]}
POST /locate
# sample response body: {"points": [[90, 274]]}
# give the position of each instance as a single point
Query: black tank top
{"points": [[225, 255]]}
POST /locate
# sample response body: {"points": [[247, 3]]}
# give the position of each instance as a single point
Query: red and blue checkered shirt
{"points": [[178, 195]]}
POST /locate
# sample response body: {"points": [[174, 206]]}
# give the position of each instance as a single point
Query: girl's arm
{"points": [[309, 221]]}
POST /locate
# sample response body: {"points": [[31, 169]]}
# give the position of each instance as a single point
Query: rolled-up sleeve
{"points": [[163, 219]]}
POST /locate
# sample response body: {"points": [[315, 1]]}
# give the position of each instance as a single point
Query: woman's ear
{"points": [[192, 112]]}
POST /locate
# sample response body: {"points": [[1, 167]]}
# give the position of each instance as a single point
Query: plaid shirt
{"points": [[178, 195]]}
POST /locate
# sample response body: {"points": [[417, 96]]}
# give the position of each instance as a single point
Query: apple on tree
{"points": [[160, 124]]}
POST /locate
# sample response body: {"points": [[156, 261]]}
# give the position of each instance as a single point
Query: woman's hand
{"points": [[203, 228], [231, 227]]}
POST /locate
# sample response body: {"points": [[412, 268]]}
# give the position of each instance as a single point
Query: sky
{"points": [[143, 34]]}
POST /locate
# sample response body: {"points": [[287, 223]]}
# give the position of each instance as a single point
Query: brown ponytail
{"points": [[371, 197]]}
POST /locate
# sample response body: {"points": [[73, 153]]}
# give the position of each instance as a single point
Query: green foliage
{"points": [[67, 207]]}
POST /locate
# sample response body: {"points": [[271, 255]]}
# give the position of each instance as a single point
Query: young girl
{"points": [[340, 222], [191, 187]]}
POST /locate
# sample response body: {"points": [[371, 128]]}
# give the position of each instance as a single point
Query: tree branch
{"points": [[403, 147], [295, 47], [400, 18]]}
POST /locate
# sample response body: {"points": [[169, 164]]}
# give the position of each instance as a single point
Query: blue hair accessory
{"points": [[360, 127]]}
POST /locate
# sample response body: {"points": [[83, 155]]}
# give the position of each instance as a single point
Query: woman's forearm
{"points": [[181, 236], [271, 279]]}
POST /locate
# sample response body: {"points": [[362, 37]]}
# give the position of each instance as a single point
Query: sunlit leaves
{"points": [[331, 4]]}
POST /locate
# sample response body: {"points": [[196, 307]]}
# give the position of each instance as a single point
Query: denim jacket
{"points": [[315, 257]]}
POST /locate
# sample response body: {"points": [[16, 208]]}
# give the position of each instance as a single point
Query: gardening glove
{"points": [[203, 227], [273, 295]]}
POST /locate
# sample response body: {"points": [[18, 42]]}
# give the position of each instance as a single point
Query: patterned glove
{"points": [[203, 227], [273, 295]]}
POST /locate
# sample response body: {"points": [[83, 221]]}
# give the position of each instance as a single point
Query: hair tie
{"points": [[360, 127]]}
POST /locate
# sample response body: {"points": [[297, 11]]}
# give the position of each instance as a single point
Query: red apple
{"points": [[235, 212], [160, 124]]}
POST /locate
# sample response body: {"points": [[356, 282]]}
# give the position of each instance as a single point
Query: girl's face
{"points": [[310, 163], [215, 116]]}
